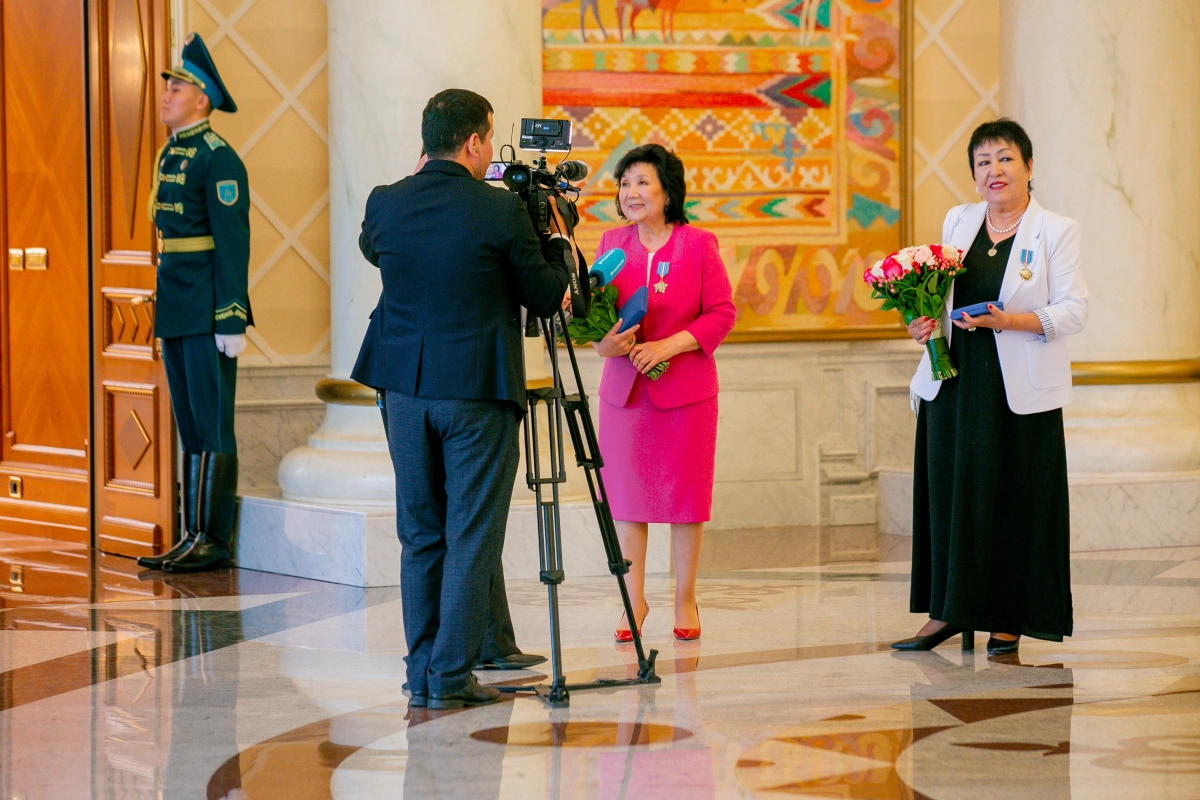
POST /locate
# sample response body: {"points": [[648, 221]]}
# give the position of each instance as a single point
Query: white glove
{"points": [[231, 344]]}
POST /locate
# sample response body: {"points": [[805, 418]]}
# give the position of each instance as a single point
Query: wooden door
{"points": [[44, 300], [135, 462]]}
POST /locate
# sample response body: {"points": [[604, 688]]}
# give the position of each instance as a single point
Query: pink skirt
{"points": [[658, 463]]}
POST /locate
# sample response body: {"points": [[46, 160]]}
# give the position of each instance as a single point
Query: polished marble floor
{"points": [[245, 685]]}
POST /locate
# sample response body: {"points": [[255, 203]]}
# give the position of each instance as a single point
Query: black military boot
{"points": [[216, 506], [191, 488]]}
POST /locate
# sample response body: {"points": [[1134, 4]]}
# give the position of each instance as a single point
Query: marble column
{"points": [[1107, 91], [386, 59]]}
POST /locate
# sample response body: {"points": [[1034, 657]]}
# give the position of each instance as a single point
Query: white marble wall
{"points": [[386, 59], [809, 433], [804, 428], [276, 409], [1107, 90]]}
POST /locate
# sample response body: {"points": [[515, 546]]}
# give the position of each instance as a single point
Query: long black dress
{"points": [[991, 523]]}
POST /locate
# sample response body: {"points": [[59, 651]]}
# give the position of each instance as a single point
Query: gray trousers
{"points": [[455, 462], [500, 640]]}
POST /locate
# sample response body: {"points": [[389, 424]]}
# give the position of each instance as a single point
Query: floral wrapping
{"points": [[916, 281]]}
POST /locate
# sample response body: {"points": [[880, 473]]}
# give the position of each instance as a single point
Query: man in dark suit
{"points": [[500, 650], [458, 259]]}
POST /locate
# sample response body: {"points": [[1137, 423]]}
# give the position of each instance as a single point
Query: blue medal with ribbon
{"points": [[663, 268], [1026, 262]]}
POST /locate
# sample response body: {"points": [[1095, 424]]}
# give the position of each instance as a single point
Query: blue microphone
{"points": [[606, 268]]}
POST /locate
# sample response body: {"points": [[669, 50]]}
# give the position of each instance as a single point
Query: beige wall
{"points": [[956, 84], [272, 58]]}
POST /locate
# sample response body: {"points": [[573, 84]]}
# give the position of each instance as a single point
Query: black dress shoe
{"points": [[419, 700], [934, 639], [470, 695], [514, 661], [181, 547], [1003, 647], [204, 554]]}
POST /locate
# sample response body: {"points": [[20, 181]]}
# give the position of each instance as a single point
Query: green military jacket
{"points": [[201, 191]]}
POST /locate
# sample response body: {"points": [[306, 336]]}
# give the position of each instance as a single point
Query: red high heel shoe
{"points": [[687, 634], [627, 636]]}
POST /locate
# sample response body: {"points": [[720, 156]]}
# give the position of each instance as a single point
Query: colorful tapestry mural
{"points": [[786, 114]]}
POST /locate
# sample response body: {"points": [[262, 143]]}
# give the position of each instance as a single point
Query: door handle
{"points": [[36, 258], [148, 299], [16, 259]]}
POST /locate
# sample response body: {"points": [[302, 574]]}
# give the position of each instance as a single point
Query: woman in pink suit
{"points": [[658, 437]]}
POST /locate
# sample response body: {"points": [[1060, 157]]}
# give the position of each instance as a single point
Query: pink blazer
{"points": [[698, 299]]}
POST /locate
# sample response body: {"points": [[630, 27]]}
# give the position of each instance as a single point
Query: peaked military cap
{"points": [[196, 67]]}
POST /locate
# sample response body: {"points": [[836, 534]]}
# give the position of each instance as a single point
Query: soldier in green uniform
{"points": [[200, 204]]}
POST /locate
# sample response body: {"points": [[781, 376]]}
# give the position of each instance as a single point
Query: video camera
{"points": [[539, 186], [536, 183]]}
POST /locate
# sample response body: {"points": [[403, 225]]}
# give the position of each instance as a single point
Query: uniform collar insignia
{"points": [[192, 130]]}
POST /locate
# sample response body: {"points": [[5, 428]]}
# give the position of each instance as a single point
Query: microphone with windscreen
{"points": [[606, 268], [571, 171], [601, 274]]}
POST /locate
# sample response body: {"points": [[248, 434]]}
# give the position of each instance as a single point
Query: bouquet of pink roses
{"points": [[916, 280]]}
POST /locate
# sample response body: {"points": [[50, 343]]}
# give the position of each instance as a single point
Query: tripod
{"points": [[545, 486]]}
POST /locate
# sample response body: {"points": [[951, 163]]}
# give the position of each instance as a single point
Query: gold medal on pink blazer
{"points": [[663, 268]]}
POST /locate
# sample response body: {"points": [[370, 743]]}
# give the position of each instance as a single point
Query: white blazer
{"points": [[1037, 369]]}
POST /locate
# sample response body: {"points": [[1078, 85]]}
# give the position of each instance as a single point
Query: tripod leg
{"points": [[549, 520], [587, 455], [549, 541]]}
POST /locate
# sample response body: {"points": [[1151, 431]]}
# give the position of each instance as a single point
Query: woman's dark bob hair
{"points": [[670, 175], [1001, 130]]}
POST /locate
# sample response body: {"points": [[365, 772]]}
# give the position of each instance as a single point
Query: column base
{"points": [[335, 543], [358, 546], [346, 462]]}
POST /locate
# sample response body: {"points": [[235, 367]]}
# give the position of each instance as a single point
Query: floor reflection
{"points": [[246, 686]]}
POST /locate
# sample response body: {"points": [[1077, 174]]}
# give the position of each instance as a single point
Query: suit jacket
{"points": [[1037, 369], [458, 259], [698, 299]]}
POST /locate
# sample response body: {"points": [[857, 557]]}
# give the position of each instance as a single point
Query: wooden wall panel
{"points": [[44, 329], [135, 461], [130, 38]]}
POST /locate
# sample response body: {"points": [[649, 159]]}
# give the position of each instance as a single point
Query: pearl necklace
{"points": [[987, 217]]}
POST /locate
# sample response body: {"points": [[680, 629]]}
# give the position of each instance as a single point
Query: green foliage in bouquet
{"points": [[600, 320], [916, 281], [925, 298]]}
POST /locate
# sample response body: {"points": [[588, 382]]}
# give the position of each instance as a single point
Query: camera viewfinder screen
{"points": [[546, 135], [495, 171]]}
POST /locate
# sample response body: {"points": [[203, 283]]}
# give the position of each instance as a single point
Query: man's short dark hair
{"points": [[670, 174], [1003, 130], [449, 119]]}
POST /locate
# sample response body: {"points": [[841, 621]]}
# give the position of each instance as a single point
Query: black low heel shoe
{"points": [[1003, 647], [934, 639]]}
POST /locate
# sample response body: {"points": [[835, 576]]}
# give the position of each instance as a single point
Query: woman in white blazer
{"points": [[991, 523]]}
